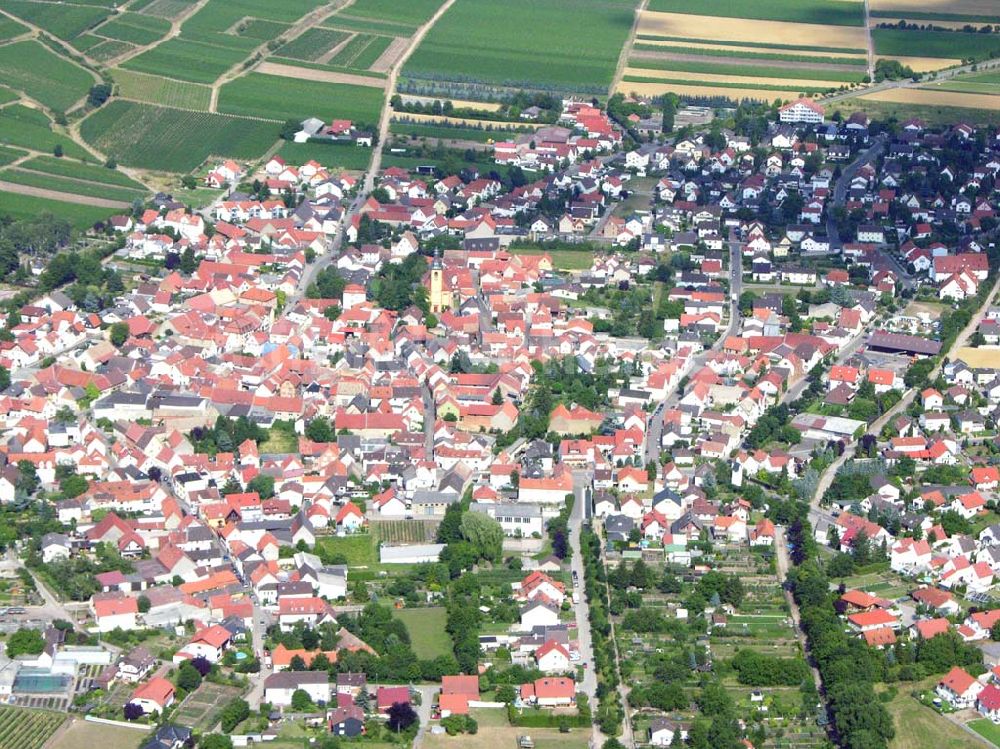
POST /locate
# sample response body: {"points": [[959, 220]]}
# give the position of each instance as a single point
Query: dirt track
{"points": [[323, 76], [65, 197]]}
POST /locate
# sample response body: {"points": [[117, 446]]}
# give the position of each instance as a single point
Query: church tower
{"points": [[437, 295]]}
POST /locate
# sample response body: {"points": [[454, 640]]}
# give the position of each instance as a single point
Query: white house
{"points": [[538, 614], [552, 658], [279, 687], [959, 688]]}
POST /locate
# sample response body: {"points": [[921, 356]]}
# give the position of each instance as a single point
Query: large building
{"points": [[803, 110]]}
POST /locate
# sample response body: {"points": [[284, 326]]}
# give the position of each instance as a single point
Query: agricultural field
{"points": [[7, 96], [10, 155], [964, 11], [405, 531], [835, 12], [109, 50], [59, 19], [173, 140], [10, 28], [188, 60], [86, 172], [134, 27], [277, 98], [949, 45], [71, 187], [433, 131], [262, 30], [163, 91], [27, 729], [313, 44], [30, 128], [52, 81], [475, 41], [413, 13], [426, 626], [349, 157]]}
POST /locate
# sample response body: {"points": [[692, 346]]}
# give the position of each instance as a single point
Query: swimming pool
{"points": [[39, 681]]}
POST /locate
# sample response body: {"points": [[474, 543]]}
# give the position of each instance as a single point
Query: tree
{"points": [[319, 429], [235, 712], [25, 642], [297, 663], [189, 263], [263, 485], [27, 479], [301, 701], [484, 533], [505, 692], [401, 716], [4, 378], [215, 741], [289, 129], [497, 398], [144, 604], [57, 151], [189, 182], [99, 93], [118, 334], [669, 112], [202, 665], [132, 711], [188, 677]]}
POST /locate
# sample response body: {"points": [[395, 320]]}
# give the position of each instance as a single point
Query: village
{"points": [[526, 449]]}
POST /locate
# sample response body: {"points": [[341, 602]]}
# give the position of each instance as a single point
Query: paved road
{"points": [[427, 693], [852, 347], [429, 418], [582, 483], [654, 432], [843, 184]]}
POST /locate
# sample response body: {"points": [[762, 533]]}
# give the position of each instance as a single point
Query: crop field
{"points": [[163, 91], [433, 131], [173, 140], [365, 55], [10, 28], [76, 170], [30, 67], [221, 15], [10, 155], [27, 729], [17, 205], [71, 186], [413, 12], [187, 60], [30, 128], [135, 28], [657, 48], [109, 50], [476, 41], [405, 531], [835, 12], [367, 25], [724, 71], [7, 96], [312, 44], [349, 157], [918, 10], [934, 98], [946, 44], [259, 95], [769, 34], [164, 8], [426, 628], [262, 30], [59, 19]]}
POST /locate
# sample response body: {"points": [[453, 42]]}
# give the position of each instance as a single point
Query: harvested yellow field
{"points": [[682, 46], [748, 82], [984, 356], [322, 76], [746, 30], [930, 98], [486, 106], [658, 89], [948, 7], [926, 64], [407, 116]]}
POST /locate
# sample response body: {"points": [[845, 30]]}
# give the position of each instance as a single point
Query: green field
{"points": [[277, 98], [480, 40], [71, 186], [10, 155], [747, 54], [32, 68], [312, 44], [427, 632], [162, 8], [76, 170], [109, 50], [21, 728], [828, 12], [59, 19], [985, 728], [30, 128], [756, 71], [562, 259], [748, 45], [446, 132], [263, 30], [187, 60], [681, 81], [362, 56], [10, 28], [918, 727], [135, 28], [220, 15], [368, 25], [332, 157], [948, 44], [173, 140], [412, 12], [81, 216], [7, 96], [163, 91], [359, 550]]}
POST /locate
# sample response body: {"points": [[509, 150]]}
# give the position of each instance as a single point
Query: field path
{"points": [[175, 30], [627, 48], [323, 76], [64, 197], [869, 44]]}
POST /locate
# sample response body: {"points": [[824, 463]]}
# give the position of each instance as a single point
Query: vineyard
{"points": [[405, 531], [26, 729], [173, 140], [312, 44]]}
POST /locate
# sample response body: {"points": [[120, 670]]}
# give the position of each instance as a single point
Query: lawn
{"points": [[165, 92], [331, 156], [32, 68], [505, 737], [919, 727], [985, 728], [835, 12], [946, 44], [476, 40], [279, 441], [358, 550], [21, 728], [277, 98], [563, 259], [173, 140], [81, 733], [16, 205], [30, 128], [426, 628]]}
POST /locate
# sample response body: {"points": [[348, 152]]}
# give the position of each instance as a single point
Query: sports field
{"points": [[524, 42]]}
